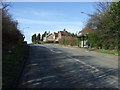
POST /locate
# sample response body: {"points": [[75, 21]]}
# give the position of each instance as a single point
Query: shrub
{"points": [[72, 41], [94, 40]]}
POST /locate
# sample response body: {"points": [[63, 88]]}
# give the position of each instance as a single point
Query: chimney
{"points": [[64, 30]]}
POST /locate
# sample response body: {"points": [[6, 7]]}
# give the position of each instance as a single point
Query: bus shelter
{"points": [[83, 38]]}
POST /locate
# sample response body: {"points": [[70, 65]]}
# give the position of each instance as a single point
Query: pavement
{"points": [[56, 66]]}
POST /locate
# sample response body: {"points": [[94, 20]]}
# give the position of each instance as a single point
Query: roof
{"points": [[86, 31], [49, 35], [65, 33], [81, 35], [56, 34]]}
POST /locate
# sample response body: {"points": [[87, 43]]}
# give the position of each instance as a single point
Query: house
{"points": [[86, 31], [83, 31], [46, 36], [50, 38], [64, 33], [56, 36], [61, 34]]}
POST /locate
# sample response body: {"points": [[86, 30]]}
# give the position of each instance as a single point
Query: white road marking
{"points": [[95, 69], [36, 83], [55, 51]]}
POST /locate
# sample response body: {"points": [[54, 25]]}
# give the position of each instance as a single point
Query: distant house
{"points": [[86, 31], [46, 36], [50, 38], [56, 36], [83, 31], [64, 33]]}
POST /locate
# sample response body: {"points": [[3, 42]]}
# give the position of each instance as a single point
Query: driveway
{"points": [[55, 66]]}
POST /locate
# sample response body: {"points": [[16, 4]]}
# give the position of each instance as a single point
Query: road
{"points": [[55, 66]]}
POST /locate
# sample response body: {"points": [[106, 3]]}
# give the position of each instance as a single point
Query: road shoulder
{"points": [[111, 56]]}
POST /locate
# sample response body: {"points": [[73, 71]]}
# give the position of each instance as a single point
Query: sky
{"points": [[38, 17]]}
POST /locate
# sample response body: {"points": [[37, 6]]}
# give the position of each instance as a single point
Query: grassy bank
{"points": [[11, 64], [114, 52]]}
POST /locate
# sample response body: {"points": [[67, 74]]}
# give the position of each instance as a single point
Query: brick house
{"points": [[64, 33], [56, 36]]}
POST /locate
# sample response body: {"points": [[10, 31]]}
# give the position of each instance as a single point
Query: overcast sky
{"points": [[38, 17]]}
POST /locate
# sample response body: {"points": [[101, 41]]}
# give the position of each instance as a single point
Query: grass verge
{"points": [[11, 64], [114, 52]]}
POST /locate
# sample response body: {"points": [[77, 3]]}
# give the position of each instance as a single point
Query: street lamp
{"points": [[25, 28], [88, 14], [83, 36], [23, 31], [91, 18]]}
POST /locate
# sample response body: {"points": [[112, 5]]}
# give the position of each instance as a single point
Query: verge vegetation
{"points": [[72, 41], [13, 48], [106, 22], [11, 64]]}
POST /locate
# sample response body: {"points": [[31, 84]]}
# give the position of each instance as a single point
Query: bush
{"points": [[72, 41], [94, 40]]}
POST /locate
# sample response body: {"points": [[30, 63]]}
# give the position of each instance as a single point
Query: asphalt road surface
{"points": [[55, 66]]}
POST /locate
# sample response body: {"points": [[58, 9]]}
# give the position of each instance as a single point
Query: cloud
{"points": [[39, 26], [30, 21], [45, 14], [70, 28]]}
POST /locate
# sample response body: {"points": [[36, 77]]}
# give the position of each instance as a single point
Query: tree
{"points": [[34, 39], [11, 35], [114, 24], [43, 35], [106, 21], [38, 37]]}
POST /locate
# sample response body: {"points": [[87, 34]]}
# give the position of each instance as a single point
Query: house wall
{"points": [[51, 38], [44, 39], [59, 35]]}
